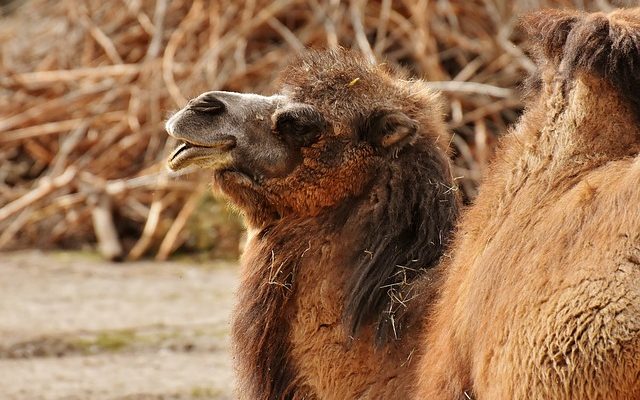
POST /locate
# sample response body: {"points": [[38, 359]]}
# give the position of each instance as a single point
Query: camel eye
{"points": [[300, 125]]}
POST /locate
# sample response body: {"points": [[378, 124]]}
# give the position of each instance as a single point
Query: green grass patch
{"points": [[205, 393], [107, 341]]}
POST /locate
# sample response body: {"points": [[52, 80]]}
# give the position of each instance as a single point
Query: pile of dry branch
{"points": [[86, 84]]}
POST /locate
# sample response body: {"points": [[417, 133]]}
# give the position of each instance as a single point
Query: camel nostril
{"points": [[207, 104]]}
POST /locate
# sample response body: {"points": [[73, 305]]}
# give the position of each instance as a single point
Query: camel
{"points": [[541, 296], [344, 181]]}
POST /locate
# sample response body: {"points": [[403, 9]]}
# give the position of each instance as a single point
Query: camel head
{"points": [[336, 121]]}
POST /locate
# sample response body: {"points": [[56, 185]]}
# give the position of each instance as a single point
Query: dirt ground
{"points": [[75, 327]]}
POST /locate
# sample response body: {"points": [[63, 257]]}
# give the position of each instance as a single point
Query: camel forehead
{"points": [[340, 83]]}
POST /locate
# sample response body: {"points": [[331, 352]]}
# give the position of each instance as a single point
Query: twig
{"points": [[381, 29], [9, 232], [45, 186], [144, 242], [158, 34], [54, 106], [168, 243], [66, 147], [41, 77], [489, 109], [170, 52], [286, 34], [471, 87], [361, 37], [102, 39], [55, 127], [104, 227]]}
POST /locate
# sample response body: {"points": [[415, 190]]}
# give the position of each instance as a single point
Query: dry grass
{"points": [[85, 87]]}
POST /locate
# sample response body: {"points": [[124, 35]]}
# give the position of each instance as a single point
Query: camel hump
{"points": [[606, 45]]}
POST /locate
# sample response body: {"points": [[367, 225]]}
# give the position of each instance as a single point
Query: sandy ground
{"points": [[75, 327]]}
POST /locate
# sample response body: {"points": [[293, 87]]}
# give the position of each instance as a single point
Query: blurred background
{"points": [[85, 87]]}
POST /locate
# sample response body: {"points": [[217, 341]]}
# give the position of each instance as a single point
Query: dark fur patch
{"points": [[609, 47], [548, 30], [404, 229], [261, 321], [605, 45]]}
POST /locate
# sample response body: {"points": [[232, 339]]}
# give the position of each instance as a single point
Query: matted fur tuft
{"points": [[605, 45], [547, 30]]}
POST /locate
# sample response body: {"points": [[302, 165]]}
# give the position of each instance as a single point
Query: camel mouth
{"points": [[213, 155]]}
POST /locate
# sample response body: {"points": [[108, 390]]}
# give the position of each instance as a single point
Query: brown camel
{"points": [[345, 183], [541, 299]]}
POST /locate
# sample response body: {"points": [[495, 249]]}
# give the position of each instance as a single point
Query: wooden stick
{"points": [[45, 186], [158, 22], [471, 87], [41, 77], [356, 10], [56, 127], [54, 106], [104, 227], [8, 233], [170, 51], [102, 39], [149, 230], [168, 243], [66, 147]]}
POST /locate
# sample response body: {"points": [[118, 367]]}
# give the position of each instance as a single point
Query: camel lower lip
{"points": [[187, 154]]}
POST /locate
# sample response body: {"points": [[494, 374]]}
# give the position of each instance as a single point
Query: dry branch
{"points": [[168, 244], [42, 77], [105, 229], [45, 186]]}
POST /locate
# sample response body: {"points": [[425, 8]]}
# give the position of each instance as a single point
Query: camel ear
{"points": [[547, 32], [389, 129]]}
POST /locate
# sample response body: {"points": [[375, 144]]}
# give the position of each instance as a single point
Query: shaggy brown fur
{"points": [[359, 204], [542, 296]]}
